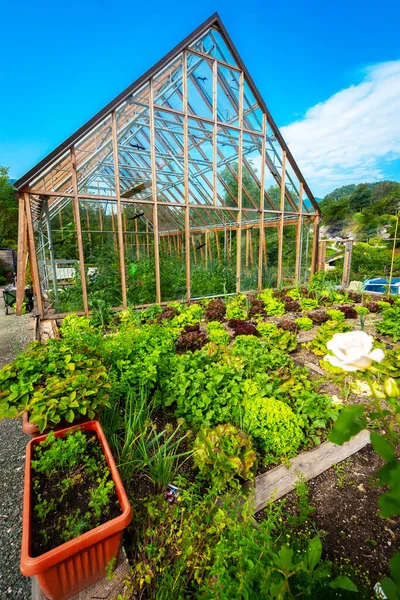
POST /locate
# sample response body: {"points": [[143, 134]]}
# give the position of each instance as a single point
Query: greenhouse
{"points": [[180, 188]]}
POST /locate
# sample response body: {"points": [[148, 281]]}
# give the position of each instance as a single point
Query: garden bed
{"points": [[202, 396]]}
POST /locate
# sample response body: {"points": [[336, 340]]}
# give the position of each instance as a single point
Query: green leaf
{"points": [[343, 582], [72, 395], [390, 589], [349, 423], [69, 416], [394, 565], [284, 558], [382, 447], [314, 552]]}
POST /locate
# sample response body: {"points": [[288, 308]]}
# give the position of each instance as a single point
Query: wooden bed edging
{"points": [[281, 480]]}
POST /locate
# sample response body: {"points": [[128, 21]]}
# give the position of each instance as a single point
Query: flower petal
{"points": [[363, 362], [377, 355]]}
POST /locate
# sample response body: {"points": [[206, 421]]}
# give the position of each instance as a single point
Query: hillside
{"points": [[361, 211]]}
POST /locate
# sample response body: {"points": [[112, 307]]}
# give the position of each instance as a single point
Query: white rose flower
{"points": [[353, 351]]}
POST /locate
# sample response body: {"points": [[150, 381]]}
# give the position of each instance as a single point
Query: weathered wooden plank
{"points": [[281, 480]]}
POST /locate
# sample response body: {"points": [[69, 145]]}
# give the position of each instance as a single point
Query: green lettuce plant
{"points": [[304, 323], [217, 333], [236, 307], [273, 306], [336, 315], [222, 454]]}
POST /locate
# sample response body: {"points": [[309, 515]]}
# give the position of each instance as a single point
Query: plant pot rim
{"points": [[34, 565]]}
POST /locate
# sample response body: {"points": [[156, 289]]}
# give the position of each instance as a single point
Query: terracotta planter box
{"points": [[77, 564], [33, 430]]}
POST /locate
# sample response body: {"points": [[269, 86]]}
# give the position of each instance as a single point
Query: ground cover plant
{"points": [[73, 490]]}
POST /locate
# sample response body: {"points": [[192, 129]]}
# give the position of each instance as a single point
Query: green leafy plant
{"points": [[390, 325], [273, 425], [308, 304], [325, 332], [217, 333], [277, 338], [336, 315], [224, 453], [272, 306], [304, 323], [236, 307]]}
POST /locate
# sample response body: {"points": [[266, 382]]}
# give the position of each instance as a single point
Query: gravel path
{"points": [[15, 334]]}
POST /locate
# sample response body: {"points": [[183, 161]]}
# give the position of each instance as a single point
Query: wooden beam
{"points": [[215, 130], [261, 238], [154, 193], [21, 257], [33, 258], [186, 172], [240, 190], [299, 237], [321, 256], [281, 219], [79, 231]]}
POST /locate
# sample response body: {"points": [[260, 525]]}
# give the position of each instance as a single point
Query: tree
{"points": [[8, 211], [360, 198]]}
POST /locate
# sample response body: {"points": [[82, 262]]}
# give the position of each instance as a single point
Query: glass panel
{"points": [[213, 253], [168, 86], [306, 250], [100, 245], [289, 254], [212, 43], [172, 253], [58, 258], [169, 157], [252, 146], [252, 113], [270, 253], [57, 178], [138, 234], [94, 161], [228, 96], [227, 166], [200, 136], [249, 255], [199, 86]]}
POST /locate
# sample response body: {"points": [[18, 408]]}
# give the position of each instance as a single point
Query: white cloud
{"points": [[349, 137]]}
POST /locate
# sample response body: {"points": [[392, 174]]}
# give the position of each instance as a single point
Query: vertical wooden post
{"points": [[154, 193], [77, 217], [206, 248], [215, 130], [261, 239], [217, 245], [314, 255], [21, 262], [321, 256], [347, 263], [119, 208], [32, 256], [281, 218], [299, 228], [240, 190], [247, 248], [186, 171]]}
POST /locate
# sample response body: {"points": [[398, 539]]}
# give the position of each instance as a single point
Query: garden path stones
{"points": [[15, 334]]}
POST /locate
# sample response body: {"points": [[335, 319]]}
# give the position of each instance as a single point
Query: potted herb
{"points": [[75, 510]]}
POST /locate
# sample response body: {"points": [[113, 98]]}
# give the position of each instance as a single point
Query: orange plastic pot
{"points": [[33, 430], [77, 564]]}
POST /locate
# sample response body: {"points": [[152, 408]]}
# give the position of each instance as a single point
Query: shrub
{"points": [[294, 294], [273, 425], [223, 453], [348, 311], [336, 315], [273, 306], [383, 305], [304, 323], [236, 307], [288, 325], [217, 333], [215, 310], [361, 310], [388, 299], [318, 316]]}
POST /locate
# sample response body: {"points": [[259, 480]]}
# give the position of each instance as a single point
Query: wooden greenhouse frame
{"points": [[186, 162]]}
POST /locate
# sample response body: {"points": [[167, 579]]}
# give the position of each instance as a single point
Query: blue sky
{"points": [[329, 73]]}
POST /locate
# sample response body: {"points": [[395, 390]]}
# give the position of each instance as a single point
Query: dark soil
{"points": [[346, 512], [77, 497]]}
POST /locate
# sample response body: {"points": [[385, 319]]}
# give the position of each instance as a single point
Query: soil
{"points": [[345, 499], [76, 498]]}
